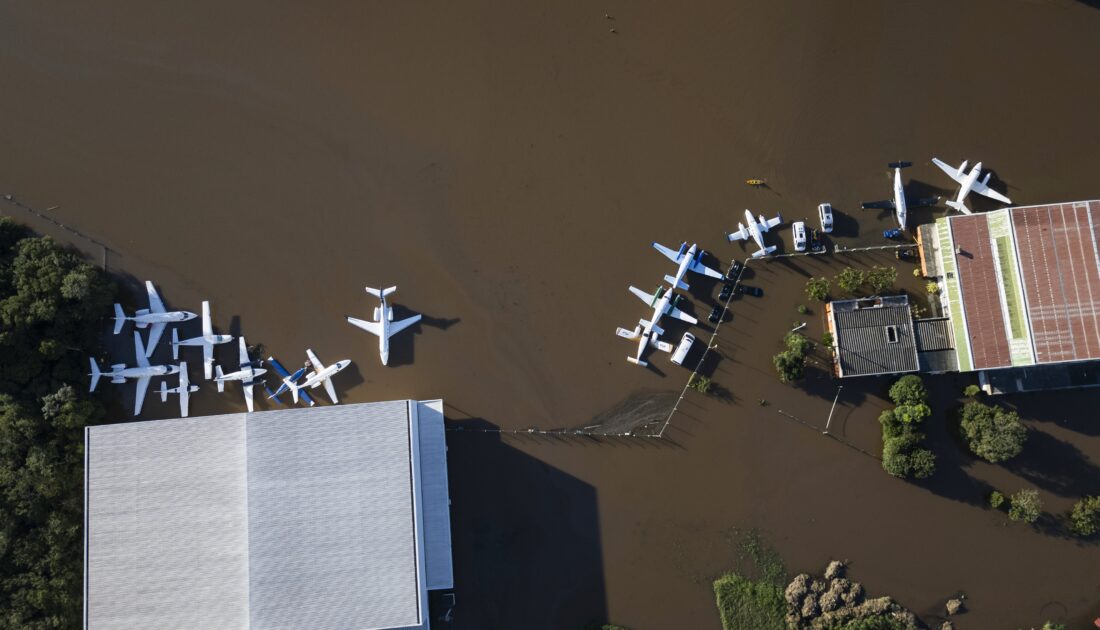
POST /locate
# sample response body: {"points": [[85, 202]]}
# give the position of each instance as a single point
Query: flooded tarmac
{"points": [[506, 166]]}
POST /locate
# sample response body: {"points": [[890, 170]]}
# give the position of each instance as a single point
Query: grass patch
{"points": [[1008, 274], [745, 604]]}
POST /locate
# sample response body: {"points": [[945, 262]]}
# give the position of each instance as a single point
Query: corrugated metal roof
{"points": [[933, 334], [863, 336], [300, 518]]}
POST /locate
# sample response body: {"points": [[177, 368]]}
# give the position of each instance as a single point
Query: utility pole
{"points": [[831, 409]]}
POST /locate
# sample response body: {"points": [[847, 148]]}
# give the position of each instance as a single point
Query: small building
{"points": [[329, 518], [878, 335]]}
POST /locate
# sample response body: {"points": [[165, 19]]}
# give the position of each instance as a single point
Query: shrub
{"points": [[827, 339], [992, 433], [744, 604], [932, 287], [922, 462], [881, 278], [699, 383], [916, 272], [798, 343], [1025, 505], [790, 366], [996, 500], [908, 389], [1084, 518], [802, 310], [851, 280], [972, 391], [817, 289]]}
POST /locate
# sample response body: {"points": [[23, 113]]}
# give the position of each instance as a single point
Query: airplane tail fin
{"points": [[163, 391], [764, 252], [293, 391], [95, 374], [637, 361], [899, 164], [960, 206], [381, 294], [680, 284], [175, 345], [120, 318]]}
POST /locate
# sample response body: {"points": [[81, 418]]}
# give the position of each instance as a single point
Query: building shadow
{"points": [[525, 537]]}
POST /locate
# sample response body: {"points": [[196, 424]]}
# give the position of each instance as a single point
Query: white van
{"points": [[825, 212], [799, 229], [683, 349]]}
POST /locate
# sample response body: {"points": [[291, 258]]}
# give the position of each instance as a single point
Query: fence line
{"points": [[43, 214]]}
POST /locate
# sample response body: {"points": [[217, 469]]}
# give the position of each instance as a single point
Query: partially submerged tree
{"points": [[881, 278], [817, 289], [851, 280], [992, 433], [1025, 506], [1084, 517]]}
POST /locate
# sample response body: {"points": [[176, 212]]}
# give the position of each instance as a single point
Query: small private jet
{"points": [[207, 340], [968, 182], [755, 230], [900, 204], [688, 259], [320, 375], [647, 332], [154, 317], [142, 373], [383, 325], [247, 374], [286, 377], [184, 390]]}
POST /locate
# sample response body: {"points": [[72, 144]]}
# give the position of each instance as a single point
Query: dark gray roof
{"points": [[934, 334], [938, 361], [863, 336]]}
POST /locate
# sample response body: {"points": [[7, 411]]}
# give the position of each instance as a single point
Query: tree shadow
{"points": [[1055, 466]]}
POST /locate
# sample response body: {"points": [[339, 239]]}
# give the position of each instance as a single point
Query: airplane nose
{"points": [[385, 358]]}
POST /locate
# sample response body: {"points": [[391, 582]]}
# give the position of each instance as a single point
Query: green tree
{"points": [[996, 500], [699, 383], [881, 278], [908, 389], [992, 433], [817, 289], [790, 366], [922, 462], [1025, 505], [1084, 517], [851, 280], [798, 343], [827, 339], [971, 391], [912, 413], [932, 287]]}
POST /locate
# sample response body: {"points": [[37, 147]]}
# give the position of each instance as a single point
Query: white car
{"points": [[683, 349], [799, 229], [825, 213]]}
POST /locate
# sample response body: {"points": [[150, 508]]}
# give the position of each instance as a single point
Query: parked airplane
{"points": [[184, 390], [689, 259], [246, 374], [383, 325], [142, 373], [647, 332], [155, 317], [320, 375], [286, 375], [900, 204], [207, 340], [755, 230], [969, 182]]}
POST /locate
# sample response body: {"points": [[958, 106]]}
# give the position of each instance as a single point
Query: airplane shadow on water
{"points": [[525, 535], [402, 345]]}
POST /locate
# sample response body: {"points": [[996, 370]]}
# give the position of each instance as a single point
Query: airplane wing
{"points": [[207, 326], [139, 393], [682, 316], [983, 189], [317, 365], [648, 298], [185, 396], [740, 235], [331, 389], [952, 171], [155, 303], [243, 353], [702, 269], [672, 255], [885, 204], [207, 360], [396, 327], [248, 395], [139, 351], [155, 331], [373, 328], [770, 223]]}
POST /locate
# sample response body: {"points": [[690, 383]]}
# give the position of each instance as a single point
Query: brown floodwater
{"points": [[506, 165]]}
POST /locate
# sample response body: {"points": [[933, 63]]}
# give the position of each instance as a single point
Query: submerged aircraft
{"points": [[900, 204], [207, 340], [246, 374], [755, 230], [142, 373], [383, 325], [647, 332], [155, 317], [688, 259], [969, 182], [184, 390], [320, 375]]}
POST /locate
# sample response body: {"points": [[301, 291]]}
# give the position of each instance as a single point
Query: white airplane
{"points": [[155, 317], [142, 373], [647, 332], [383, 325], [755, 230], [184, 390], [688, 259], [207, 340], [246, 374], [320, 375], [969, 182], [900, 204]]}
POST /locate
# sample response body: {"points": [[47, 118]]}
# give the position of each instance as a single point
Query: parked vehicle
{"points": [[726, 293], [743, 289], [903, 254], [799, 231], [816, 244], [892, 233], [735, 270], [825, 213], [682, 350], [715, 315]]}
